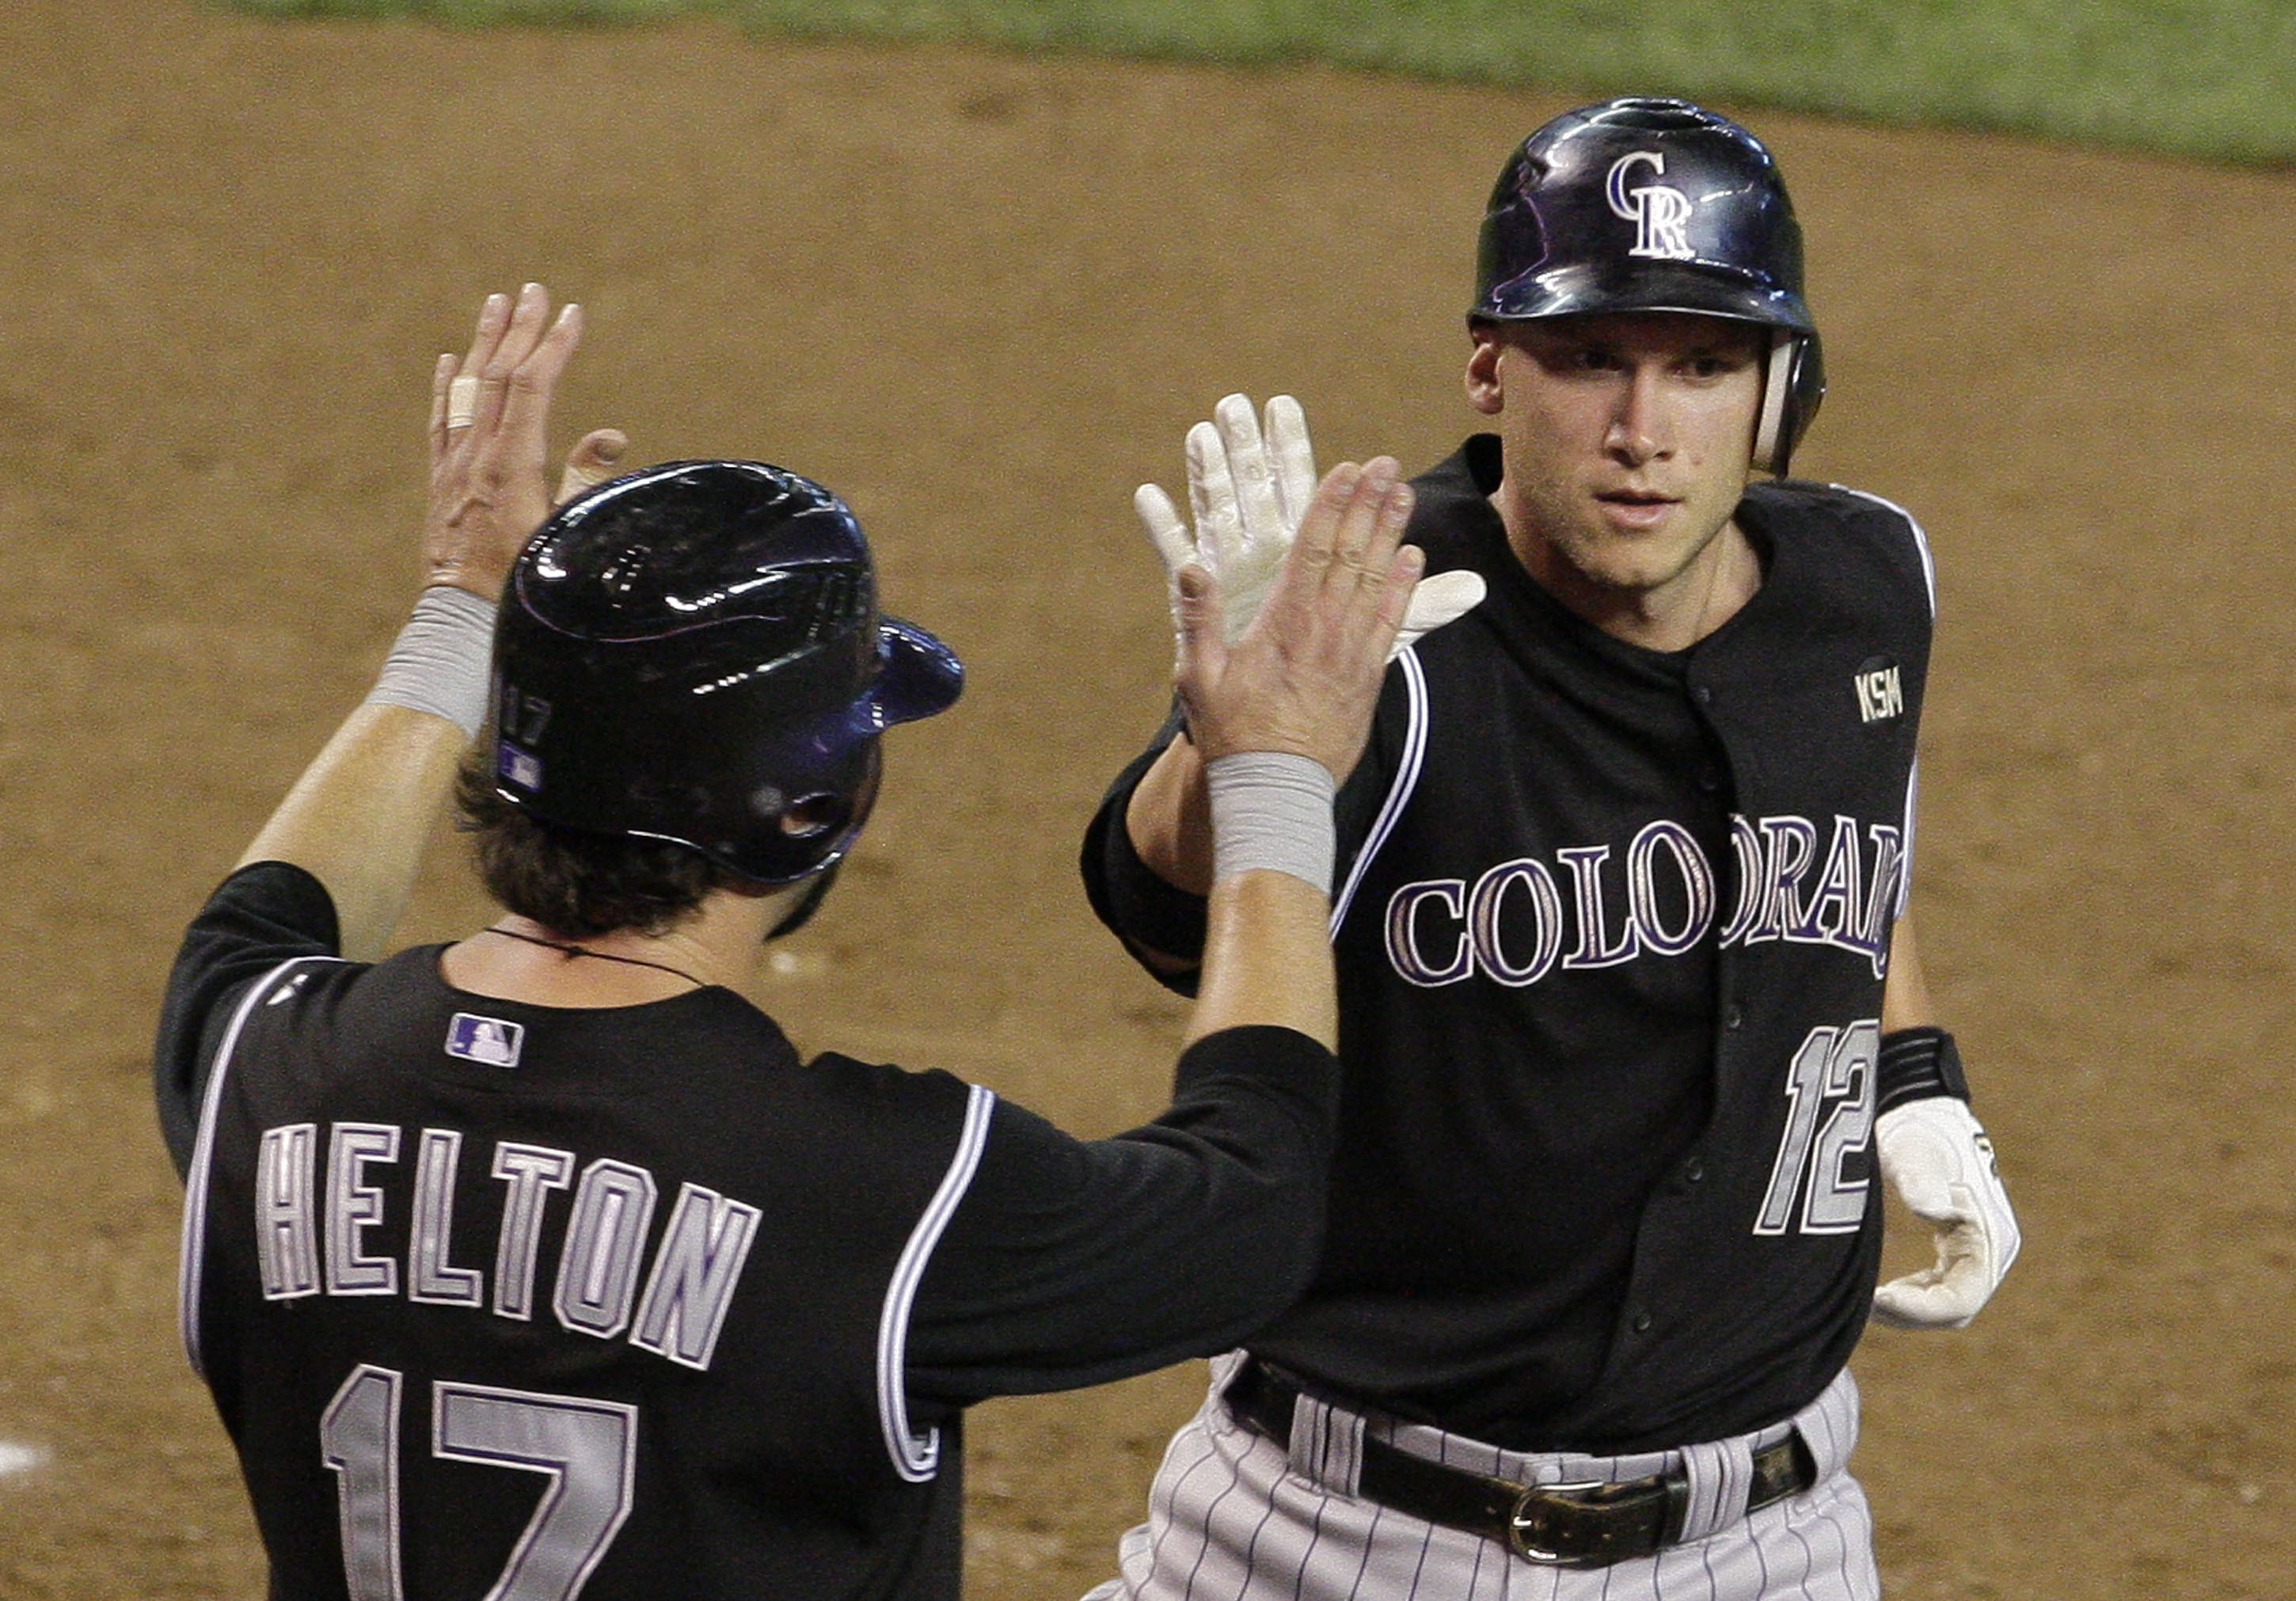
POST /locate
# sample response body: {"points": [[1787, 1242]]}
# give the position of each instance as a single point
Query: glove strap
{"points": [[1917, 1063]]}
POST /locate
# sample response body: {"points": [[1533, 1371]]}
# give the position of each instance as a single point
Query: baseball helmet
{"points": [[1656, 205], [693, 653]]}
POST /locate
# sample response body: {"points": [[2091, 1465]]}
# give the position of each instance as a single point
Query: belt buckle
{"points": [[1527, 1525]]}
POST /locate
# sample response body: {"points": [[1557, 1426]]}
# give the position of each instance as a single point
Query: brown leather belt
{"points": [[1575, 1525]]}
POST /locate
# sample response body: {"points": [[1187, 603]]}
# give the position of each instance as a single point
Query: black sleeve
{"points": [[1151, 917], [263, 915], [1074, 1262], [1159, 920]]}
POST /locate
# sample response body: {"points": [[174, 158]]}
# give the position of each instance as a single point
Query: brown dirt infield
{"points": [[983, 296]]}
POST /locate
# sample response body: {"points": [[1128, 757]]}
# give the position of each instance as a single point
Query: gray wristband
{"points": [[440, 662], [1272, 810]]}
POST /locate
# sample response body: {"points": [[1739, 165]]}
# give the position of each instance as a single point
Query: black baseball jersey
{"points": [[1613, 927], [517, 1300]]}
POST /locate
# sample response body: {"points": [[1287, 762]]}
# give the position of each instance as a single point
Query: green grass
{"points": [[2213, 78]]}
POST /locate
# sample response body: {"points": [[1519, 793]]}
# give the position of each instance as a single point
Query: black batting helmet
{"points": [[693, 653], [1656, 205]]}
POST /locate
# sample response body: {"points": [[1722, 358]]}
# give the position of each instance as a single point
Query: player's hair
{"points": [[572, 882]]}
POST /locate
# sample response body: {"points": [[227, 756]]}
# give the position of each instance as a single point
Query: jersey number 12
{"points": [[1829, 1118]]}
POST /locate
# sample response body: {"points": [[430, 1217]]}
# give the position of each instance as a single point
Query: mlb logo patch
{"points": [[521, 768], [488, 1039]]}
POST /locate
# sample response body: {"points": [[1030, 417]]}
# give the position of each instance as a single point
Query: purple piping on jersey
{"points": [[1407, 779], [917, 1457], [195, 1186], [1906, 877], [1913, 774]]}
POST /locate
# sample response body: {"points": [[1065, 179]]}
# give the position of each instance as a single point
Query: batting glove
{"points": [[1248, 491], [1938, 1160]]}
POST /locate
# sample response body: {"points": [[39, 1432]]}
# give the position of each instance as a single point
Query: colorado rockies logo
{"points": [[1660, 214]]}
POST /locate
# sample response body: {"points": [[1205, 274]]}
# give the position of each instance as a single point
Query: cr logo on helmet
{"points": [[1660, 215]]}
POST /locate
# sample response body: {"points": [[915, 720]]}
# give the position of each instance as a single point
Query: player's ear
{"points": [[1485, 393]]}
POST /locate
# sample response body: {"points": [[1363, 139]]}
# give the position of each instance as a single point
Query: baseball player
{"points": [[541, 1264], [1630, 1010]]}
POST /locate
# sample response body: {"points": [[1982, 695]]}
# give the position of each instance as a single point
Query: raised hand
{"points": [[1247, 508], [1304, 676], [489, 416], [1248, 491]]}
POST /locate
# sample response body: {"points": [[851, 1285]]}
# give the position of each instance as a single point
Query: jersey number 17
{"points": [[586, 1448]]}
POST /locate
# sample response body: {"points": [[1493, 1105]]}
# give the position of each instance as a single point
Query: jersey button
{"points": [[1704, 693], [1693, 1170], [1642, 1323], [1733, 1016]]}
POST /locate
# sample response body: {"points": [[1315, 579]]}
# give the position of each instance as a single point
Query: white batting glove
{"points": [[1248, 491], [1938, 1160]]}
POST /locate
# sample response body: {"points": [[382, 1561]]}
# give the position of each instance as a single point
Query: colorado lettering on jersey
{"points": [[308, 1243], [1523, 920]]}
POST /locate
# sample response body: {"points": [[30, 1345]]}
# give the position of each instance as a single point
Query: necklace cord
{"points": [[604, 955]]}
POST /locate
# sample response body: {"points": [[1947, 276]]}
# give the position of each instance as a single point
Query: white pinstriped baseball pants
{"points": [[1234, 1517]]}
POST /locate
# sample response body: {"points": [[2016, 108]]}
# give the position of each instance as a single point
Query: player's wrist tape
{"points": [[1917, 1063], [1272, 810], [441, 660]]}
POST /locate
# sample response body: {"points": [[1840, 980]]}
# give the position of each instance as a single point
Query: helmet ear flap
{"points": [[1793, 384]]}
